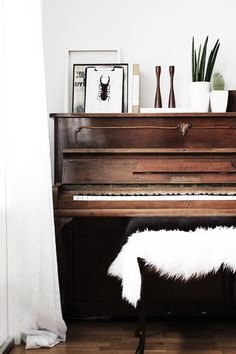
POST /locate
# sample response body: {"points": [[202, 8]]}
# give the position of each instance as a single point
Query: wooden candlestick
{"points": [[158, 102], [171, 103]]}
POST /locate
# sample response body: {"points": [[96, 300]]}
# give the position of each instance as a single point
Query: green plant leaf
{"points": [[198, 62], [201, 71], [203, 62], [211, 61], [193, 61]]}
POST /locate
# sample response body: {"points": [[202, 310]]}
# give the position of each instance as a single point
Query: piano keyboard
{"points": [[112, 197]]}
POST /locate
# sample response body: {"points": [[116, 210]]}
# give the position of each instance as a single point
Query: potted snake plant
{"points": [[202, 67], [218, 95]]}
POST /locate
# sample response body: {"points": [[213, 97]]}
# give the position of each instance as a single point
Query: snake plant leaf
{"points": [[201, 71], [211, 61], [203, 61], [193, 61], [198, 62], [209, 65]]}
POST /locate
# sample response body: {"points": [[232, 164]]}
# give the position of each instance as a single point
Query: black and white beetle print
{"points": [[104, 89]]}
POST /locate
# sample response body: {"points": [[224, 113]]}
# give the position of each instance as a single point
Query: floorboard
{"points": [[163, 336]]}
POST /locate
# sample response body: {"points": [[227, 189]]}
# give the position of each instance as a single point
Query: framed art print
{"points": [[104, 89], [79, 84]]}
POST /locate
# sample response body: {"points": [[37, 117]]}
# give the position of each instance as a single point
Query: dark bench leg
{"points": [[228, 288], [231, 288], [141, 330]]}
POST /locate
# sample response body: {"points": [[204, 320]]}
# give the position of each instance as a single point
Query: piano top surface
{"points": [[208, 115]]}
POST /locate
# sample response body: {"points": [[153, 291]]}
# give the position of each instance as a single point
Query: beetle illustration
{"points": [[104, 89]]}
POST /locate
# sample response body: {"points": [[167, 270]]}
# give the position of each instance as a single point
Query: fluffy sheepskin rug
{"points": [[176, 254]]}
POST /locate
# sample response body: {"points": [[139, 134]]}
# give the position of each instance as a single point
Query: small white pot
{"points": [[200, 96], [219, 100]]}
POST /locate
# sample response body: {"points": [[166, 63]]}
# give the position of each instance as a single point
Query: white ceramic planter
{"points": [[200, 96], [219, 100]]}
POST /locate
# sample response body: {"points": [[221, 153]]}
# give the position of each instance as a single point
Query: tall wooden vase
{"points": [[171, 103], [158, 102]]}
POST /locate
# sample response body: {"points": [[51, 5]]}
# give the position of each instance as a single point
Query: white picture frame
{"points": [[88, 56], [104, 89]]}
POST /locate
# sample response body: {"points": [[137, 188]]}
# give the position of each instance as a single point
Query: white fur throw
{"points": [[176, 254]]}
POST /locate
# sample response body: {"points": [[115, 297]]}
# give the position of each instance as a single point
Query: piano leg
{"points": [[60, 222]]}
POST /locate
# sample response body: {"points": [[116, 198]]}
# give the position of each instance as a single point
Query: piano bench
{"points": [[175, 254]]}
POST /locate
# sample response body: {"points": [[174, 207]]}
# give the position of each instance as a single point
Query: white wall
{"points": [[150, 32]]}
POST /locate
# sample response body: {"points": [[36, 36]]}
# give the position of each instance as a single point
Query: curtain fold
{"points": [[34, 301]]}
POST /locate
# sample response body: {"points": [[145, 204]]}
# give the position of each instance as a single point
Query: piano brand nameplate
{"points": [[185, 179]]}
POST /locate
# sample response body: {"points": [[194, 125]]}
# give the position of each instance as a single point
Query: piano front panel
{"points": [[173, 150], [172, 155], [115, 168], [199, 132]]}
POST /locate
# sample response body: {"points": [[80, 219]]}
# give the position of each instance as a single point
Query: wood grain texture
{"points": [[166, 336], [151, 133], [139, 149]]}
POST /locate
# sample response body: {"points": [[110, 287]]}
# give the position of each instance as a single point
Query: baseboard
{"points": [[7, 346]]}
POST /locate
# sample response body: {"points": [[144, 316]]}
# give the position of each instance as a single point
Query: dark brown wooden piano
{"points": [[117, 167]]}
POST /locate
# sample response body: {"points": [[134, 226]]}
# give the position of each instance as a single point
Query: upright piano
{"points": [[144, 165]]}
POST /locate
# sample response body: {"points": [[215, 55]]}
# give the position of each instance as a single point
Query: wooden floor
{"points": [[163, 336]]}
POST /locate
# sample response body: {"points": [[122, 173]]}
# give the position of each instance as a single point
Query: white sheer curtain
{"points": [[34, 301]]}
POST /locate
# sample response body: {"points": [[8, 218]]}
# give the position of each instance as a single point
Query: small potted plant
{"points": [[202, 68], [218, 95]]}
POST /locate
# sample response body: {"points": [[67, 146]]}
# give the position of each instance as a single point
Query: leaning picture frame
{"points": [[79, 88], [81, 56]]}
